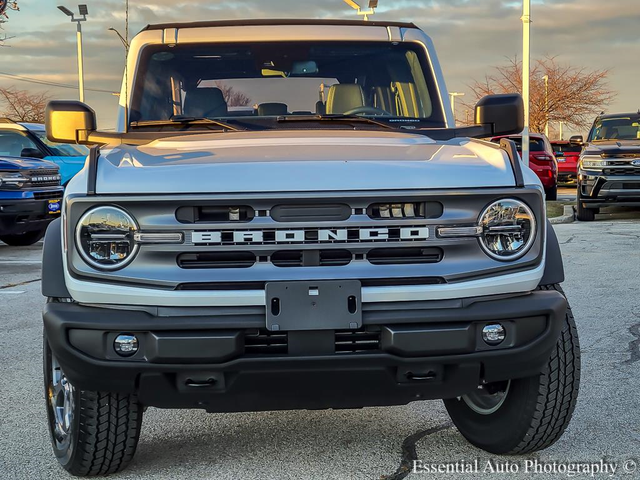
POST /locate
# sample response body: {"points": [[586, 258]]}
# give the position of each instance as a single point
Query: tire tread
{"points": [[109, 428], [558, 393]]}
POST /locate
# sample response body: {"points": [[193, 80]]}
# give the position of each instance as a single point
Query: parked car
{"points": [[541, 160], [372, 255], [567, 154], [30, 198], [609, 166], [30, 140]]}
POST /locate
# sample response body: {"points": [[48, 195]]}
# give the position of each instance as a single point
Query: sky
{"points": [[471, 37]]}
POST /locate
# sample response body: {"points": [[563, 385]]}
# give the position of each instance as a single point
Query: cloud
{"points": [[471, 36]]}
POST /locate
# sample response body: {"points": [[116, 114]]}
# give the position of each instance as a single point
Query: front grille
{"points": [[44, 178], [47, 195], [217, 260], [404, 256], [354, 341], [264, 342], [311, 258], [621, 171], [389, 210]]}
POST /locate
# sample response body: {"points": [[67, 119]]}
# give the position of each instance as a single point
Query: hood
{"points": [[301, 161], [22, 163], [614, 147]]}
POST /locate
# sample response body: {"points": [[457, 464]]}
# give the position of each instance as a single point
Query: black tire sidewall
{"points": [[500, 431]]}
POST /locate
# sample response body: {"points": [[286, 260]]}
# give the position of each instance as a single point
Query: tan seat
{"points": [[205, 103], [344, 97]]}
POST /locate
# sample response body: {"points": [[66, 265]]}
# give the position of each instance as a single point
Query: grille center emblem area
{"points": [[310, 236]]}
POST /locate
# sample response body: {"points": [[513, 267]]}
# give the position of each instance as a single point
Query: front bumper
{"points": [[222, 359], [600, 190], [21, 215]]}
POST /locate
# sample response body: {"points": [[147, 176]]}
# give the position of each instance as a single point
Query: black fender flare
{"points": [[553, 268], [53, 284]]}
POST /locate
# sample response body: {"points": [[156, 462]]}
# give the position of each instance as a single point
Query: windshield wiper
{"points": [[334, 118], [184, 120]]}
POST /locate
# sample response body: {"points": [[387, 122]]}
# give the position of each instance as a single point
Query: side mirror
{"points": [[577, 140], [69, 121], [503, 113], [31, 153]]}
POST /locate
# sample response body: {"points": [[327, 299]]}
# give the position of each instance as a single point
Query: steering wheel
{"points": [[364, 110]]}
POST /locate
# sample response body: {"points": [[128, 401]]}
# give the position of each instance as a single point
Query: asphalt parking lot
{"points": [[602, 265]]}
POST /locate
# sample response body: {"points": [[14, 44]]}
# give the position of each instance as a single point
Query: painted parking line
{"points": [[20, 262]]}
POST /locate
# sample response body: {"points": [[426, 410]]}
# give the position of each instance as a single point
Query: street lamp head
{"points": [[65, 10], [83, 10]]}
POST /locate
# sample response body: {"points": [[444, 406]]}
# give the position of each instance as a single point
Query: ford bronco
{"points": [[288, 218], [30, 198]]}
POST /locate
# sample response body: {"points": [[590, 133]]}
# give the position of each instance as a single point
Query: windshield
{"points": [[566, 148], [262, 82], [61, 149], [626, 127]]}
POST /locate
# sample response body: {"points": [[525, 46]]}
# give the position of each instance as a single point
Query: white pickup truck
{"points": [[288, 218]]}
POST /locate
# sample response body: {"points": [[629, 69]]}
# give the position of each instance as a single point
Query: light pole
{"points": [[373, 4], [546, 104], [84, 11], [526, 72], [452, 98], [124, 42]]}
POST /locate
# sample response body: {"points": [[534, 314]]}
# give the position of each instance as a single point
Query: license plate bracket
{"points": [[314, 305]]}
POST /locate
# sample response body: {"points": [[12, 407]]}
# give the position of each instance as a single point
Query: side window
{"points": [[12, 143]]}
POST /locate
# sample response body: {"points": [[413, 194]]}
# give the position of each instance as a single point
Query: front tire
{"points": [[92, 433], [552, 193], [524, 415], [583, 213], [23, 239]]}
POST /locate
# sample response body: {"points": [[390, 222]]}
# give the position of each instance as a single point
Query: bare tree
{"points": [[6, 5], [575, 96], [233, 97], [23, 106]]}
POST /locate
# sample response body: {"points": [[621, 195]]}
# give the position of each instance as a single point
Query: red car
{"points": [[541, 160], [567, 155]]}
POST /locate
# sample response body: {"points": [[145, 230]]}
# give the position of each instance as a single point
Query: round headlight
{"points": [[508, 229], [105, 238]]}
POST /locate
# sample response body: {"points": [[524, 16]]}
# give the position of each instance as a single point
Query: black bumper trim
{"points": [[442, 345]]}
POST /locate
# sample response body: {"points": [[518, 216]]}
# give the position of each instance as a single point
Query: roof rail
{"points": [[6, 120]]}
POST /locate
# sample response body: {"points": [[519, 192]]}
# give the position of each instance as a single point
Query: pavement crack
{"points": [[19, 284], [409, 453], [569, 240], [634, 345]]}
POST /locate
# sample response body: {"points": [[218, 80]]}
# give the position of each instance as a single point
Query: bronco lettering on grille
{"points": [[322, 235]]}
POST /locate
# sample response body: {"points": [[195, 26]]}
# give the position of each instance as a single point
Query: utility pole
{"points": [[452, 98], [526, 73], [84, 11], [546, 104], [561, 132]]}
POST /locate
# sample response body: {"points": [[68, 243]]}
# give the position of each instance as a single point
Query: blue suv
{"points": [[30, 140], [30, 198]]}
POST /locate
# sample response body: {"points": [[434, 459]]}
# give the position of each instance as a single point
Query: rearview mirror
{"points": [[304, 68], [31, 153], [69, 121], [576, 140], [504, 113]]}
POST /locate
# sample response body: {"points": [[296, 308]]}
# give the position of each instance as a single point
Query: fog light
{"points": [[493, 334], [125, 345]]}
